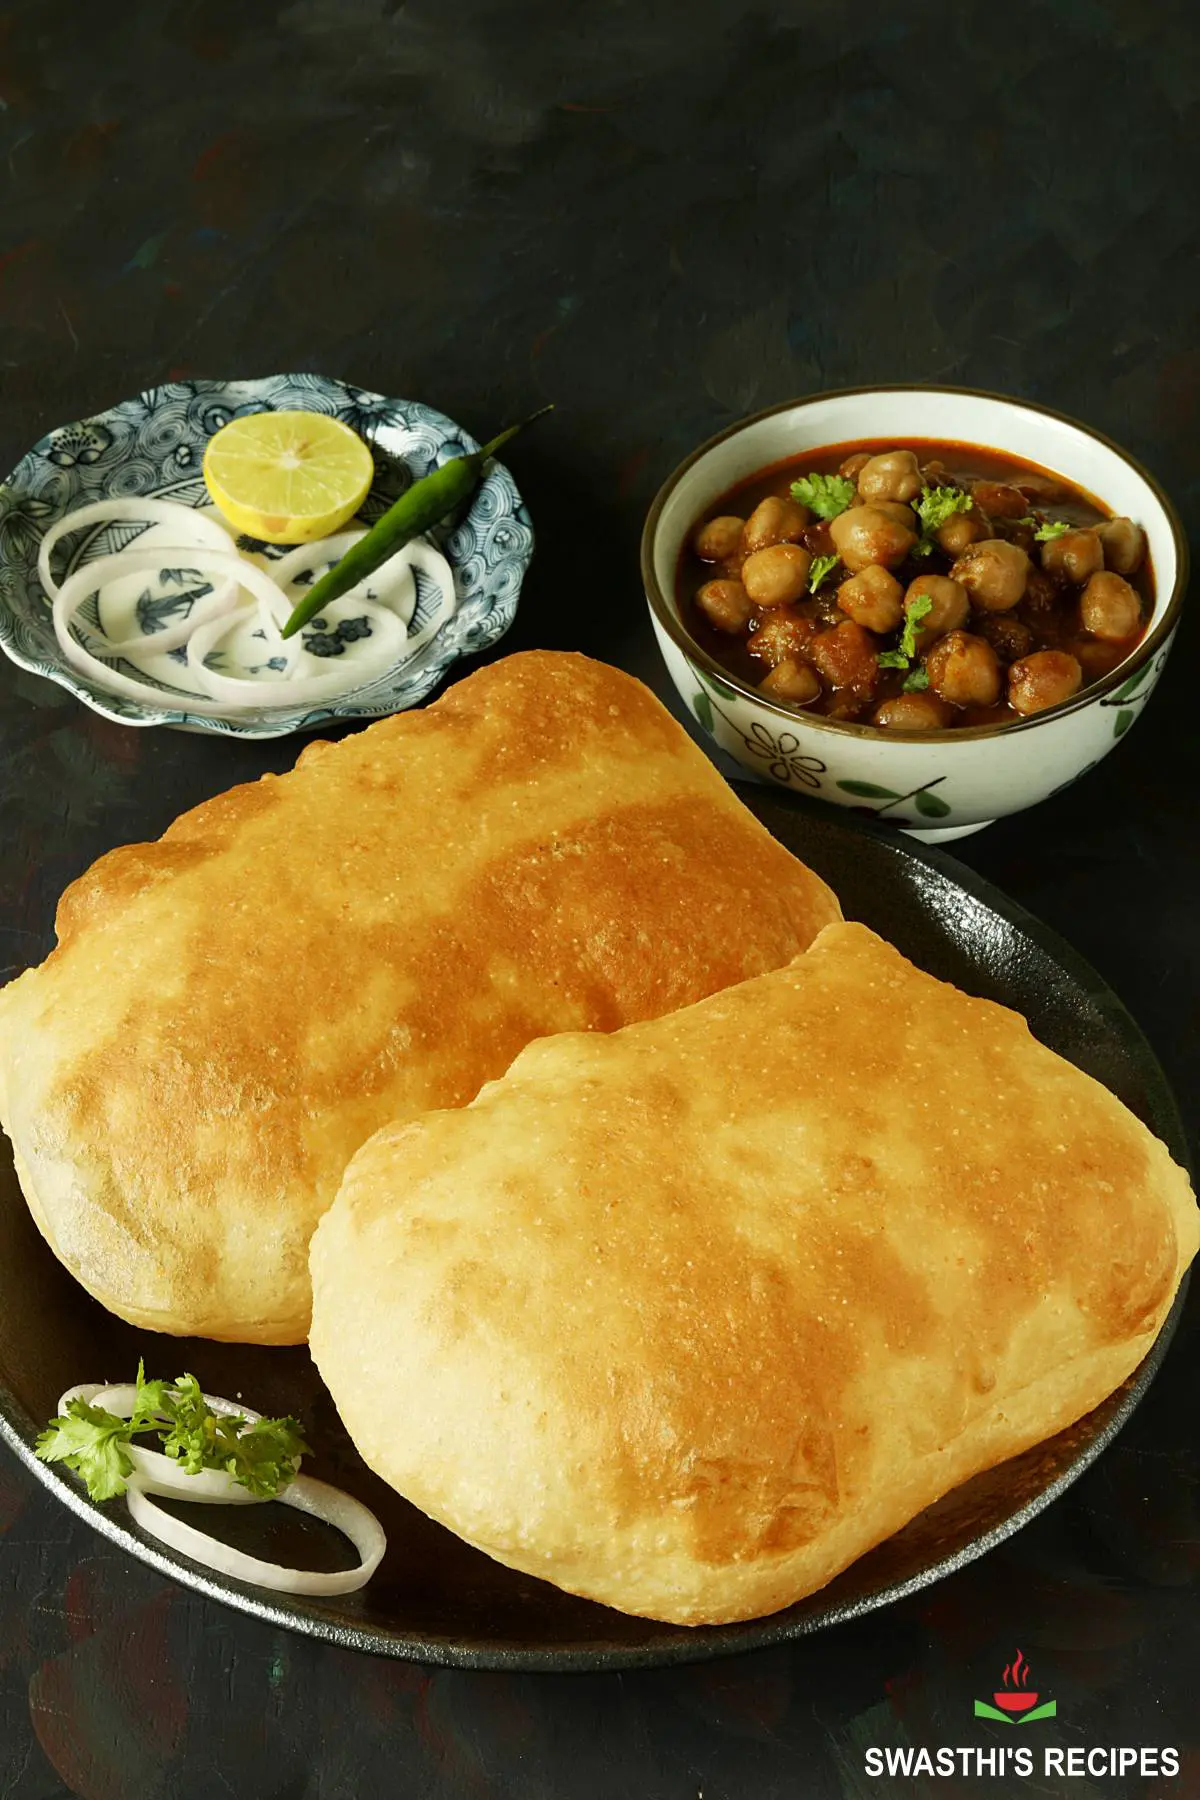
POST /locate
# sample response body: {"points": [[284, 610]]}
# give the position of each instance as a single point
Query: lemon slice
{"points": [[287, 477]]}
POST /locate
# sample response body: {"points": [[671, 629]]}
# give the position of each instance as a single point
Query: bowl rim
{"points": [[663, 612]]}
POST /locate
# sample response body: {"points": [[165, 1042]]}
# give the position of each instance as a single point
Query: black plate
{"points": [[434, 1599]]}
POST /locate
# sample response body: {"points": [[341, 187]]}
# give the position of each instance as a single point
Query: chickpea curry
{"points": [[916, 586]]}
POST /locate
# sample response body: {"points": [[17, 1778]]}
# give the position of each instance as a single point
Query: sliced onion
{"points": [[291, 687], [158, 1474], [397, 570], [341, 1510], [75, 590], [161, 1474], [222, 600], [147, 511], [432, 563], [308, 556], [302, 681]]}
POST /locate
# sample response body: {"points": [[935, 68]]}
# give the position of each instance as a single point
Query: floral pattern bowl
{"points": [[154, 446], [937, 785]]}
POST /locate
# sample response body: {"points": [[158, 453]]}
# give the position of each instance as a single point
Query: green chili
{"points": [[425, 503]]}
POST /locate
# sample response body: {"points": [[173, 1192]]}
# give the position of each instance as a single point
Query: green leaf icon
{"points": [[867, 790], [932, 805], [1124, 720], [702, 707]]}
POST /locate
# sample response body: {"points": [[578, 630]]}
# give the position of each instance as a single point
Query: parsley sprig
{"points": [[822, 566], [1046, 529], [825, 495], [262, 1456], [933, 507], [915, 610]]}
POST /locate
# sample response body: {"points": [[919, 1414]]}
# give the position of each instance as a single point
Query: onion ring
{"points": [[337, 1508], [158, 1474], [215, 615], [161, 512]]}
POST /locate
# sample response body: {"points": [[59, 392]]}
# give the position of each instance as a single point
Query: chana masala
{"points": [[915, 585]]}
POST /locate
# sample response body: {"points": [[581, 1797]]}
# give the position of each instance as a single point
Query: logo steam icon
{"points": [[1016, 1701]]}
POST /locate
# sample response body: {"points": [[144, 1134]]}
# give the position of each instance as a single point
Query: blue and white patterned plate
{"points": [[154, 445]]}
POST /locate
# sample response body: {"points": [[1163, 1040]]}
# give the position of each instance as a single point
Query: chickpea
{"points": [[994, 574], [850, 467], [964, 670], [1124, 545], [1075, 556], [912, 712], [959, 530], [718, 539], [792, 682], [894, 475], [1046, 678], [872, 598], [999, 500], [1009, 637], [726, 605], [903, 515], [782, 634], [866, 534], [846, 657], [950, 607], [1110, 608], [775, 520], [777, 575]]}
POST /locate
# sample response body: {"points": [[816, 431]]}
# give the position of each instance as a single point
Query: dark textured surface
{"points": [[659, 217]]}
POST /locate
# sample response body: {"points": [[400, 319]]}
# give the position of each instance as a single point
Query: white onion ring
{"points": [[432, 563], [331, 550], [306, 556], [339, 1509], [229, 691], [163, 512], [222, 600], [158, 1474], [215, 615], [161, 1474], [328, 685]]}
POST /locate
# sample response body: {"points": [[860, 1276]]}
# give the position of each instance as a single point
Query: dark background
{"points": [[661, 217]]}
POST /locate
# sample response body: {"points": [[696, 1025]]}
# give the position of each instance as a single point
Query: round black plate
{"points": [[434, 1599]]}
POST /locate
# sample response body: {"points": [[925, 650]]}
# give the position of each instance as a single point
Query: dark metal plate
{"points": [[434, 1599]]}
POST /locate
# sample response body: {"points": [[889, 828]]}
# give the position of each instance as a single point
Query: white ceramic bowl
{"points": [[937, 784]]}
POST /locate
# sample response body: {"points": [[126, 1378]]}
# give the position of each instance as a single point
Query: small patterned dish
{"points": [[153, 446]]}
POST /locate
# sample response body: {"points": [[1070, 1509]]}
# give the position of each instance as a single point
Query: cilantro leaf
{"points": [[936, 505], [914, 611], [826, 495], [916, 682], [262, 1456], [92, 1442], [1049, 529], [821, 567]]}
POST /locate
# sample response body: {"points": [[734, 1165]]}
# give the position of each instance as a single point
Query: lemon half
{"points": [[287, 477]]}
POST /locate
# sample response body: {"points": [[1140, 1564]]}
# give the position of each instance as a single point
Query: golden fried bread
{"points": [[233, 1010], [687, 1318]]}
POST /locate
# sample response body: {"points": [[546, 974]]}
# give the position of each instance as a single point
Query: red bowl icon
{"points": [[1015, 1702]]}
